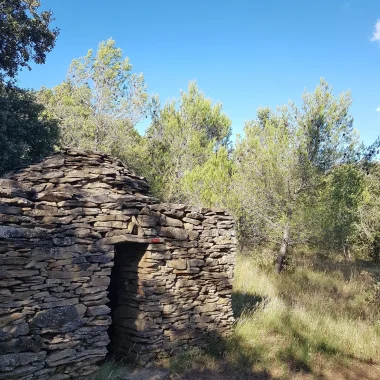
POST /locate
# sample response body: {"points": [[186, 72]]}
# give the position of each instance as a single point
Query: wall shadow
{"points": [[245, 302], [224, 358]]}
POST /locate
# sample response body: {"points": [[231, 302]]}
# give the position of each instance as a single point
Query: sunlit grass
{"points": [[305, 321]]}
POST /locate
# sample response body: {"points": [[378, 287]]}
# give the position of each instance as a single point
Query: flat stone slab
{"points": [[127, 238]]}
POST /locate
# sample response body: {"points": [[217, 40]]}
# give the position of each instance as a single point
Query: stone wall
{"points": [[87, 254]]}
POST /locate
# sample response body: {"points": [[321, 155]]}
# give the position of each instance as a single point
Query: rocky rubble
{"points": [[91, 263]]}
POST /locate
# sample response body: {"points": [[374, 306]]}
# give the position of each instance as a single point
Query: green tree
{"points": [[99, 103], [209, 184], [182, 136], [24, 35], [26, 135], [328, 128], [367, 233], [334, 208], [268, 177], [283, 158]]}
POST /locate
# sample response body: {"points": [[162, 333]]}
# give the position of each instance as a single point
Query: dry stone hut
{"points": [[90, 263]]}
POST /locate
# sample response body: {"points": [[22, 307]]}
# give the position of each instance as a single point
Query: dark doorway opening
{"points": [[124, 299]]}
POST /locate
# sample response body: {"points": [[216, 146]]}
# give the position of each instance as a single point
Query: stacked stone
{"points": [[198, 276], [60, 221], [173, 295], [54, 274]]}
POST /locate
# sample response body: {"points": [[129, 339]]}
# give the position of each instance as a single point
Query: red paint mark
{"points": [[155, 240]]}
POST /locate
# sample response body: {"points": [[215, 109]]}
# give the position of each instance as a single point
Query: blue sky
{"points": [[243, 53]]}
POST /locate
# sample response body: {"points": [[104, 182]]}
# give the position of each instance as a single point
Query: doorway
{"points": [[124, 299]]}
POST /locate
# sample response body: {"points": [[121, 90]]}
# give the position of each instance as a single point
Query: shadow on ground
{"points": [[222, 360]]}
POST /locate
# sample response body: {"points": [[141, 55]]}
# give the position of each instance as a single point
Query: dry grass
{"points": [[313, 322]]}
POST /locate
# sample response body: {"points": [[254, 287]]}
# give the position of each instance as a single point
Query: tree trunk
{"points": [[346, 252], [283, 249]]}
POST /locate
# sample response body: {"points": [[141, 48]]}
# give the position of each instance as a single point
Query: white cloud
{"points": [[376, 33], [378, 109]]}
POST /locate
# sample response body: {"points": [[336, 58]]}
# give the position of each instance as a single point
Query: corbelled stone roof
{"points": [[71, 167]]}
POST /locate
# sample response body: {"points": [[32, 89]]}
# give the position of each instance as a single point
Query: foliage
{"points": [[328, 128], [209, 184], [182, 136], [26, 135], [366, 236], [284, 158], [25, 35], [337, 207], [99, 103], [268, 177]]}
